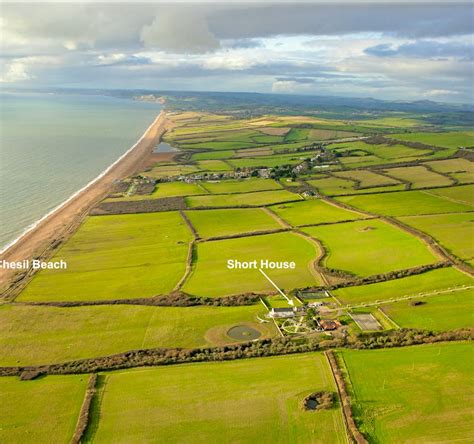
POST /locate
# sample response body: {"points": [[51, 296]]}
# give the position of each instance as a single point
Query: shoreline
{"points": [[63, 219]]}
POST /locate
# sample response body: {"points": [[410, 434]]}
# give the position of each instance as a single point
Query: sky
{"points": [[385, 50]]}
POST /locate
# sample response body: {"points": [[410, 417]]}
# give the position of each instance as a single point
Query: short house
{"points": [[315, 304], [329, 325], [286, 312]]}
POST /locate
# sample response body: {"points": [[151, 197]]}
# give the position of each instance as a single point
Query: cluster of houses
{"points": [[292, 312], [264, 173]]}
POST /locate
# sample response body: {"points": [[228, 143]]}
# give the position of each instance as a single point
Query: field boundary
{"points": [[429, 241], [353, 432], [84, 415], [244, 350], [277, 218]]}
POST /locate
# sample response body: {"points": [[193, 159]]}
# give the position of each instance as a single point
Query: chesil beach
{"points": [[59, 154]]}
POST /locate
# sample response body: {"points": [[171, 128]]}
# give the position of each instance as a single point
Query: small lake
{"points": [[164, 147]]}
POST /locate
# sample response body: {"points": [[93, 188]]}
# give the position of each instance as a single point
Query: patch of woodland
{"points": [[319, 401]]}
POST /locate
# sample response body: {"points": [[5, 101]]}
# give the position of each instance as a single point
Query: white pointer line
{"points": [[275, 285]]}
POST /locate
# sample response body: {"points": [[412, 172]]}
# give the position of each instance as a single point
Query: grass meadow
{"points": [[241, 186], [442, 312], [459, 168], [443, 140], [165, 189], [117, 257], [452, 231], [227, 222], [255, 199], [211, 277], [419, 177], [367, 179], [439, 279], [463, 194], [250, 400], [411, 203], [370, 247], [413, 394], [40, 411], [313, 211], [32, 335]]}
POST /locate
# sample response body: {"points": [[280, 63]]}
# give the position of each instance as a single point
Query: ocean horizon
{"points": [[52, 145]]}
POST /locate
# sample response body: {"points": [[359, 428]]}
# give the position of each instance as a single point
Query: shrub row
{"points": [[175, 299], [263, 348]]}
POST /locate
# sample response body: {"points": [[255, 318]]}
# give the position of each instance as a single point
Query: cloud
{"points": [[385, 50], [424, 49], [15, 72], [179, 31], [241, 43], [402, 20], [116, 59]]}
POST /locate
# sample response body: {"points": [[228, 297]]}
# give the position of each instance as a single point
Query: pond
{"points": [[243, 333], [164, 147]]}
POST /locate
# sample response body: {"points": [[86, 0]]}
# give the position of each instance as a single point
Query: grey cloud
{"points": [[424, 49], [246, 43], [407, 20], [198, 28], [178, 31]]}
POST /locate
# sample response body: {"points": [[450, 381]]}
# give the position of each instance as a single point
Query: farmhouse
{"points": [[329, 325], [286, 312]]}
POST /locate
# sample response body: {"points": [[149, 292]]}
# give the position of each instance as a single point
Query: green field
{"points": [[165, 189], [117, 257], [172, 189], [170, 170], [408, 203], [460, 169], [446, 311], [384, 153], [211, 155], [367, 179], [419, 177], [37, 335], [452, 231], [251, 400], [211, 277], [440, 279], [463, 194], [444, 140], [314, 211], [41, 411], [241, 186], [227, 222], [269, 161], [297, 134], [214, 165], [414, 394], [256, 199], [370, 247], [332, 186]]}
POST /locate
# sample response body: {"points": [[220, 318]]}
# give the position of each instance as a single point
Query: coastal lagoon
{"points": [[52, 145]]}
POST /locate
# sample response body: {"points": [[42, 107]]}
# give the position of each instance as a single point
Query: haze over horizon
{"points": [[381, 50]]}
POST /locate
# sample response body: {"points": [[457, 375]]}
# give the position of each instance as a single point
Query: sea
{"points": [[52, 145]]}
